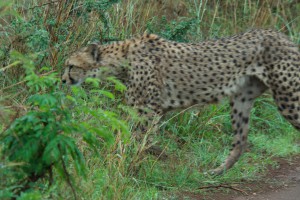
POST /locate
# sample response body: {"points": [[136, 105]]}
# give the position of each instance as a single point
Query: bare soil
{"points": [[282, 183]]}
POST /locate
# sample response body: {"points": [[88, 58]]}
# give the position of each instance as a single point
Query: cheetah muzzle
{"points": [[164, 75]]}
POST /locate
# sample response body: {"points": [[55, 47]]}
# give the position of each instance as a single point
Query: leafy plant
{"points": [[174, 30], [88, 118], [41, 142]]}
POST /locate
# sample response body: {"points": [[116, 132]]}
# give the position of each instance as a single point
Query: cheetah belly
{"points": [[176, 96]]}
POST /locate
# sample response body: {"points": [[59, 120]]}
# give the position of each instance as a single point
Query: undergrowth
{"points": [[65, 143]]}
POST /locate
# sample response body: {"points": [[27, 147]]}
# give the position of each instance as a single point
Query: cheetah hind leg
{"points": [[241, 104], [288, 103]]}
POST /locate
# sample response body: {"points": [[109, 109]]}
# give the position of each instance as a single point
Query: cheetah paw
{"points": [[217, 172]]}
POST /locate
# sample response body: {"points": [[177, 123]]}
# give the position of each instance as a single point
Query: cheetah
{"points": [[163, 75]]}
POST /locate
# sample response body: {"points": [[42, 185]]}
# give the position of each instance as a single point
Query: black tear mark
{"points": [[69, 72], [94, 52], [73, 81]]}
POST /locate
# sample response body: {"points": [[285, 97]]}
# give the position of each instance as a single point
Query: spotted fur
{"points": [[163, 75]]}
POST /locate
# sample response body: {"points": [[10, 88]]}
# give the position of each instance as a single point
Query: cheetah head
{"points": [[91, 61], [82, 64], [96, 61]]}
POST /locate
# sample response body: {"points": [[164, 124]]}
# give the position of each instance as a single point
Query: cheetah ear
{"points": [[93, 50]]}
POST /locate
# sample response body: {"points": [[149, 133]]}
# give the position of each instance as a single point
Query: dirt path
{"points": [[279, 184], [292, 193], [285, 184]]}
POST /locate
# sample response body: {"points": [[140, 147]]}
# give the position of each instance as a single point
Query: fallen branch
{"points": [[223, 186]]}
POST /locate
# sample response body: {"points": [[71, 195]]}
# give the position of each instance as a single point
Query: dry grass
{"points": [[129, 18]]}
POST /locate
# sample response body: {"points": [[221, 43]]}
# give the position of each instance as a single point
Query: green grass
{"points": [[196, 140], [195, 144]]}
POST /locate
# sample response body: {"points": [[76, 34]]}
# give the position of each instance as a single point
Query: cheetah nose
{"points": [[63, 81]]}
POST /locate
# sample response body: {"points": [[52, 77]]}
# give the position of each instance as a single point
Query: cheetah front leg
{"points": [[147, 130], [241, 104]]}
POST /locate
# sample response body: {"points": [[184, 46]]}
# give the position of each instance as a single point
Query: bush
{"points": [[42, 142]]}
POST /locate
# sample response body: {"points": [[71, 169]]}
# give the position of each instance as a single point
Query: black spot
{"points": [[241, 131], [246, 120], [244, 138]]}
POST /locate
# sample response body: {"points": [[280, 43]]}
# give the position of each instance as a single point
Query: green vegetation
{"points": [[65, 143]]}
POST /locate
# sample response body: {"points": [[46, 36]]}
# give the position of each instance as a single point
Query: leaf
{"points": [[104, 133], [45, 68], [131, 112], [105, 93], [93, 81], [71, 98], [43, 100], [91, 140], [51, 153], [30, 195], [118, 85], [79, 163]]}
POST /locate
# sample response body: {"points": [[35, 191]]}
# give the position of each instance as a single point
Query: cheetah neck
{"points": [[114, 58]]}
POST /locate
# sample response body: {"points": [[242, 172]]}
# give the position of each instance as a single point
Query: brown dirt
{"points": [[282, 183]]}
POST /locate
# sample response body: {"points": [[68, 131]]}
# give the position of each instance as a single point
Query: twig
{"points": [[68, 176], [44, 4], [8, 87], [223, 186], [190, 107], [9, 66]]}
